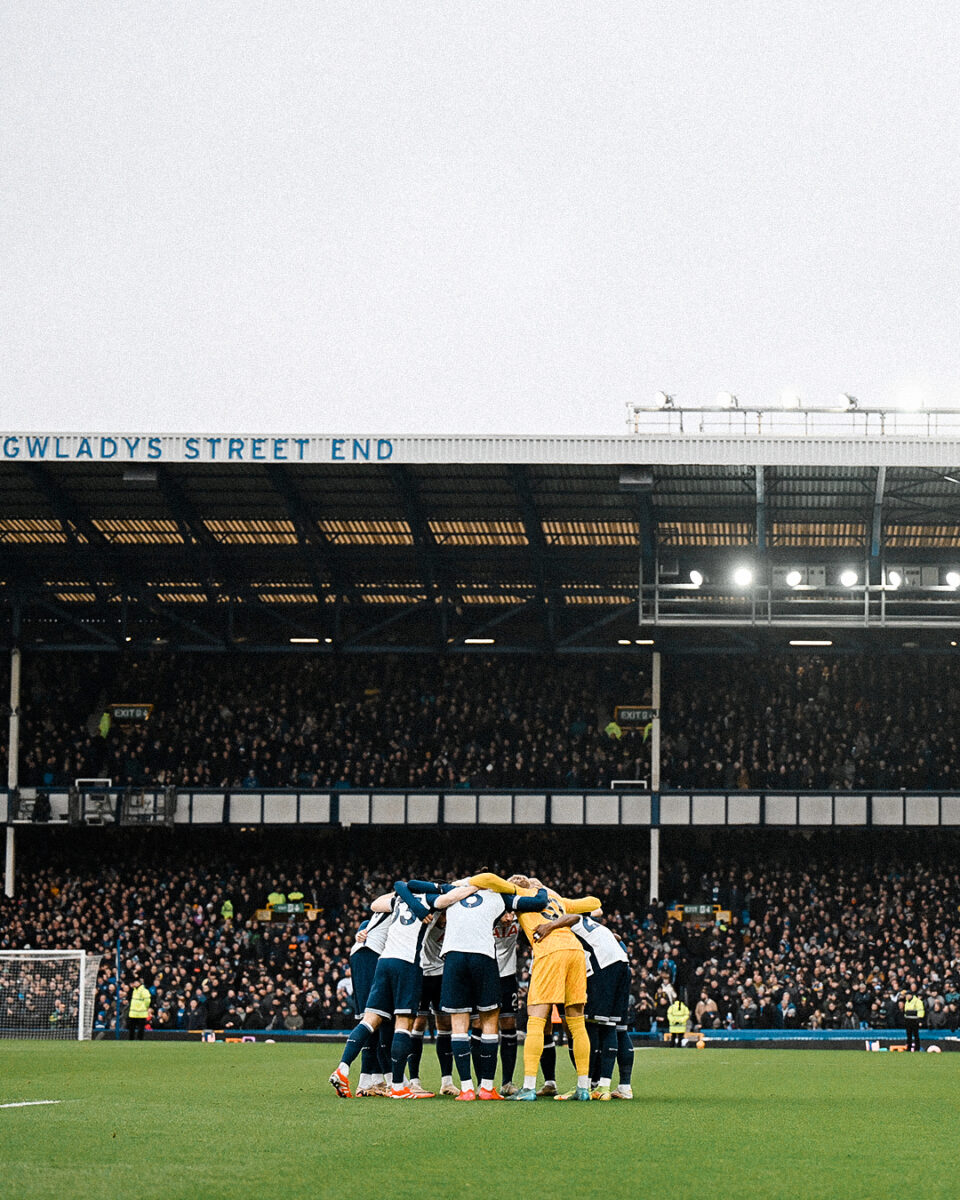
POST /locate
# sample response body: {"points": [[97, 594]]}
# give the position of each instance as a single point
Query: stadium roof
{"points": [[369, 544]]}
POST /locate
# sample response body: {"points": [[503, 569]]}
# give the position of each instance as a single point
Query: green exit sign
{"points": [[627, 715]]}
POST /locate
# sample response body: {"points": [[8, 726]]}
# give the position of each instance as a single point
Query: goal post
{"points": [[48, 993]]}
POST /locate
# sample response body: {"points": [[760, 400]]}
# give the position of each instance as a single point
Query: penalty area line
{"points": [[29, 1103]]}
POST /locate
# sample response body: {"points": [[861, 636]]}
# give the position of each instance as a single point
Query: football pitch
{"points": [[192, 1121]]}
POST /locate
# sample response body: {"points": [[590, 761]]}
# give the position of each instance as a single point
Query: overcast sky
{"points": [[418, 217]]}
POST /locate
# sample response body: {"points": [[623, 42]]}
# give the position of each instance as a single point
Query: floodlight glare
{"points": [[663, 400], [849, 578], [850, 403], [696, 578], [953, 579], [793, 578], [789, 399], [894, 579], [726, 400], [743, 577], [910, 399]]}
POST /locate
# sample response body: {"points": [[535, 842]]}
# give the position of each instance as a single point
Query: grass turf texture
{"points": [[201, 1122]]}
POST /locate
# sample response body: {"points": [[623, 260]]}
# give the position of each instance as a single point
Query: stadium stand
{"points": [[836, 924], [420, 721]]}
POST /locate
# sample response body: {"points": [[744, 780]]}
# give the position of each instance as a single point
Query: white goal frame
{"points": [[87, 967]]}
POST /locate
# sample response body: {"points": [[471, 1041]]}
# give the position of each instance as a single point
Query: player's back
{"points": [[600, 943], [470, 924]]}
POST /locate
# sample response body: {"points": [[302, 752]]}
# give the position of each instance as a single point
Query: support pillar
{"points": [[655, 784], [13, 766]]}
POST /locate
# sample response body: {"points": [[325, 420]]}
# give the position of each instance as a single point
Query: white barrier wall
{"points": [[598, 808]]}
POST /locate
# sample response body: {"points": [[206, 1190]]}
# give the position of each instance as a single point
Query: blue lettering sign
{"points": [[154, 448], [192, 448], [213, 443], [280, 449], [37, 448], [384, 449], [361, 449], [256, 451], [337, 452], [15, 443], [131, 445], [235, 448], [108, 447], [84, 451]]}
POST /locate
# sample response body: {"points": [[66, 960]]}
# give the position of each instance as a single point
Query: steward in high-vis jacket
{"points": [[913, 1014], [677, 1017], [140, 1001]]}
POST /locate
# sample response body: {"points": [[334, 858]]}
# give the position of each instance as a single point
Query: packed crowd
{"points": [[428, 721], [822, 933]]}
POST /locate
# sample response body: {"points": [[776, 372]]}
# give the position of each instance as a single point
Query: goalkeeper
{"points": [[559, 976]]}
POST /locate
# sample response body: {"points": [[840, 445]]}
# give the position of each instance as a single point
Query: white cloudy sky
{"points": [[416, 217]]}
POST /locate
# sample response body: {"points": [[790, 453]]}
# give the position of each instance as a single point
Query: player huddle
{"points": [[451, 949]]}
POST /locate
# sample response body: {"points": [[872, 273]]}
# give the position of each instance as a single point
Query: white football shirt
{"points": [[601, 946], [470, 923]]}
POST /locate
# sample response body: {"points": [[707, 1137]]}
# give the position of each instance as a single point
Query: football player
{"points": [[471, 979], [395, 991]]}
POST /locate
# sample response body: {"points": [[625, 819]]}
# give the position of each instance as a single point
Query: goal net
{"points": [[47, 993]]}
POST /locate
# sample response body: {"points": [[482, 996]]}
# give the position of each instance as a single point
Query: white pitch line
{"points": [[29, 1103]]}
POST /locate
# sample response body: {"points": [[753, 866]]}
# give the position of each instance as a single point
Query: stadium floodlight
{"points": [[793, 578], [789, 398], [726, 400], [696, 578], [894, 579], [849, 578], [664, 400], [743, 576], [643, 642], [623, 641], [850, 403], [479, 641], [953, 579], [304, 641], [810, 642]]}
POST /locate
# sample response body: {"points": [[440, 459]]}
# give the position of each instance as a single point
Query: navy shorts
{"points": [[363, 966], [430, 994], [396, 988], [608, 994], [509, 996], [471, 983]]}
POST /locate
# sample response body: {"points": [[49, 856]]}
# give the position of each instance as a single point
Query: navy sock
{"points": [[444, 1054], [461, 1056], [383, 1049], [624, 1056], [356, 1042], [416, 1053], [608, 1052], [370, 1059], [489, 1045], [475, 1053], [593, 1032], [508, 1055], [548, 1059], [399, 1053]]}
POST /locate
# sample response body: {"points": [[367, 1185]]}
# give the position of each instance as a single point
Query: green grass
{"points": [[189, 1121]]}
